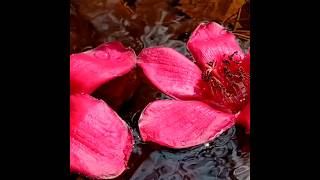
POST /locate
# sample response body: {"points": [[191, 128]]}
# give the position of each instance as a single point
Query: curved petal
{"points": [[210, 41], [182, 124], [172, 73], [117, 91], [246, 62], [226, 66], [244, 118], [100, 142], [91, 69]]}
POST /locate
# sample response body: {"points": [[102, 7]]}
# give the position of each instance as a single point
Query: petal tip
{"points": [[90, 69]]}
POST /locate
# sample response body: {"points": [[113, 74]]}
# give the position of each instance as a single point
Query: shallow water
{"points": [[227, 157], [145, 23]]}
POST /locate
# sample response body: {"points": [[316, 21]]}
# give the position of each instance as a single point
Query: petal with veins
{"points": [[172, 73], [100, 141], [91, 69], [210, 42], [182, 124]]}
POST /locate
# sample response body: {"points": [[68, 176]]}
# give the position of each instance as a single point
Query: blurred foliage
{"points": [[143, 23]]}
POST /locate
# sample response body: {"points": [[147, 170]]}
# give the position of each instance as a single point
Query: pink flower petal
{"points": [[172, 73], [211, 41], [245, 64], [226, 66], [182, 124], [100, 142], [244, 118], [91, 69]]}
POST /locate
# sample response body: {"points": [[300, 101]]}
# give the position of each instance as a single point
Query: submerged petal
{"points": [[244, 118], [182, 124], [118, 91], [172, 73], [100, 141], [91, 69]]}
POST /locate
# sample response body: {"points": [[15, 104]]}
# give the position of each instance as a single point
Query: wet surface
{"points": [[145, 23]]}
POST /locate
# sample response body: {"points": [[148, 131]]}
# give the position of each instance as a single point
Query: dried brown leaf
{"points": [[214, 10]]}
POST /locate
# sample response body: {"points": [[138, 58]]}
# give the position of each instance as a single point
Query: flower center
{"points": [[227, 80]]}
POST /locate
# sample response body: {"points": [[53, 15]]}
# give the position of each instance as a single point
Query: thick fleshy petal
{"points": [[182, 124], [100, 141], [172, 73], [91, 69], [245, 65], [246, 62], [117, 91], [211, 42], [244, 118], [225, 65]]}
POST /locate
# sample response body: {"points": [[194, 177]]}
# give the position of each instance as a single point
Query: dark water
{"points": [[145, 23]]}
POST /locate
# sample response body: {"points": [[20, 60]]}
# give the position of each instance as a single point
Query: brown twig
{"points": [[237, 18], [242, 36], [242, 31], [125, 4], [227, 19]]}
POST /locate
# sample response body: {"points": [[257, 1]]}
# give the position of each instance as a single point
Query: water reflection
{"points": [[218, 161]]}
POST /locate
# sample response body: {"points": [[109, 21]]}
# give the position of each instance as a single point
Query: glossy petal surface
{"points": [[93, 68], [100, 141], [182, 124], [172, 73], [210, 41]]}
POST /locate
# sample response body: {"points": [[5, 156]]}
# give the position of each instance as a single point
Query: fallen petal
{"points": [[182, 124], [172, 73], [91, 69], [244, 118], [246, 62], [100, 141], [210, 41], [117, 91], [218, 52]]}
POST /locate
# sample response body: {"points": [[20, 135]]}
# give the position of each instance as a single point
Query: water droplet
{"points": [[101, 54]]}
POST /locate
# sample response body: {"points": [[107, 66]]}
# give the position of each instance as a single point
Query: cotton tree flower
{"points": [[207, 96]]}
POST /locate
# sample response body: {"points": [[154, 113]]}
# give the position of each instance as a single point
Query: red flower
{"points": [[220, 83], [100, 141]]}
